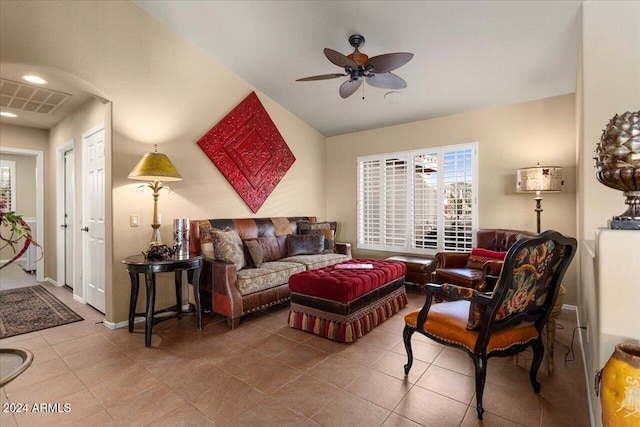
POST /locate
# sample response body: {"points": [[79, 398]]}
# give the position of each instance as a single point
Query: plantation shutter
{"points": [[458, 199], [369, 202], [395, 203], [420, 201], [425, 207]]}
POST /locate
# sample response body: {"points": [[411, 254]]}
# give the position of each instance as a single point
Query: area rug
{"points": [[31, 309]]}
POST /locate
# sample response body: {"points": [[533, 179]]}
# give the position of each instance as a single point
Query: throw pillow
{"points": [[479, 256], [270, 248], [327, 229], [227, 247], [255, 251], [311, 244]]}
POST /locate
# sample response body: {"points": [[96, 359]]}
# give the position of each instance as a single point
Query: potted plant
{"points": [[14, 233]]}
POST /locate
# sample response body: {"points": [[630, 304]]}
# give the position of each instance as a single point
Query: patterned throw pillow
{"points": [[227, 247], [479, 256], [327, 229]]}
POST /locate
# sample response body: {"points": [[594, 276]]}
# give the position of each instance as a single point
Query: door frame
{"points": [[61, 150], [39, 155]]}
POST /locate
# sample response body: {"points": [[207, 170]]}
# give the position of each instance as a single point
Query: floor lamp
{"points": [[539, 179]]}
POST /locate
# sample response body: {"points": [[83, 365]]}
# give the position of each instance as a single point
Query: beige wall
{"points": [[25, 139], [608, 84], [611, 85], [88, 116], [508, 138], [166, 91], [25, 182]]}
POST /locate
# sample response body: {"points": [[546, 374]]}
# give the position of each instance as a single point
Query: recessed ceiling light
{"points": [[7, 114], [34, 79]]}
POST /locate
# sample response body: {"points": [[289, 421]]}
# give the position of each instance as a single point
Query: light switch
{"points": [[133, 220]]}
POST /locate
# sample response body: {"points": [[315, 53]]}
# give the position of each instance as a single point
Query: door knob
{"points": [[63, 225], [85, 229]]}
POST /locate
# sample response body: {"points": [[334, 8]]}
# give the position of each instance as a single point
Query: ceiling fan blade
{"points": [[339, 59], [321, 77], [349, 87], [388, 62], [386, 81]]}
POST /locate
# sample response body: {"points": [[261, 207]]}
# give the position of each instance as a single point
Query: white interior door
{"points": [[69, 218], [93, 277]]}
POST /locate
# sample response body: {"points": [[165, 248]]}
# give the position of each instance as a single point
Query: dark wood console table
{"points": [[137, 265]]}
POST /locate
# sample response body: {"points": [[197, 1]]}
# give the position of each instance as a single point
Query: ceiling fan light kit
{"points": [[358, 66]]}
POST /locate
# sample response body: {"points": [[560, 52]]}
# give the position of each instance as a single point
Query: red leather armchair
{"points": [[452, 266]]}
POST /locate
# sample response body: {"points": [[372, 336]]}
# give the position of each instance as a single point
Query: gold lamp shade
{"points": [[155, 167]]}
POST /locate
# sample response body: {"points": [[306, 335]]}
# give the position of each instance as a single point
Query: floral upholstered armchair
{"points": [[512, 316]]}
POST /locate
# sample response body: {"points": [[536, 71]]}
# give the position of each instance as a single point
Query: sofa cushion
{"points": [[256, 254], [479, 256], [268, 275], [316, 261], [311, 244], [227, 247], [327, 229]]}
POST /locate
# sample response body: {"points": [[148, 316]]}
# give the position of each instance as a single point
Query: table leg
{"points": [[135, 287], [551, 340], [150, 280], [178, 282], [196, 294]]}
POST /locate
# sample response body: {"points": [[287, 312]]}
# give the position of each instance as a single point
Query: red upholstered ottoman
{"points": [[343, 304]]}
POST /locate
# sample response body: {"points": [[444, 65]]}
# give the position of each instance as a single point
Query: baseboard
{"points": [[79, 299], [124, 324], [586, 373], [50, 280]]}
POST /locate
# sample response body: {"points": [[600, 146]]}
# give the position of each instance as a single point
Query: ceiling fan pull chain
{"points": [[363, 91]]}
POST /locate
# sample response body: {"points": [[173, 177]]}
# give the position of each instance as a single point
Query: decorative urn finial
{"points": [[618, 165]]}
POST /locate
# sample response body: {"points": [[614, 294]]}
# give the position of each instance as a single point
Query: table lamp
{"points": [[539, 179], [156, 168]]}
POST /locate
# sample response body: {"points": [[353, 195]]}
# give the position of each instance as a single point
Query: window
{"points": [[8, 183], [419, 201]]}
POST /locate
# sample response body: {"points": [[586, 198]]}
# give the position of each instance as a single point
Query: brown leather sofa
{"points": [[222, 285], [452, 267]]}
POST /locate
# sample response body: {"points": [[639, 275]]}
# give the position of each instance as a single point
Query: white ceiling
{"points": [[75, 96], [468, 54]]}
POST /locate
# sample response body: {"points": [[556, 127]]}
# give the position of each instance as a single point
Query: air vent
{"points": [[24, 97]]}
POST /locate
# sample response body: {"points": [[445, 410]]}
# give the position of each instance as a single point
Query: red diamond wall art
{"points": [[249, 151]]}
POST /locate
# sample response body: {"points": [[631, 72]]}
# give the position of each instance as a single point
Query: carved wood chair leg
{"points": [[481, 375], [538, 353], [406, 335]]}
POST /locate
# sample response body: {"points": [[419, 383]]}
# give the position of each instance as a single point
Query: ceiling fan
{"points": [[359, 67]]}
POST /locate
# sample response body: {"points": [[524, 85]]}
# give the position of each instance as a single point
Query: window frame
{"points": [[10, 165], [366, 237]]}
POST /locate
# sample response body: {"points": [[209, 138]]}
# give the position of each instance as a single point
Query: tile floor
{"points": [[267, 374]]}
